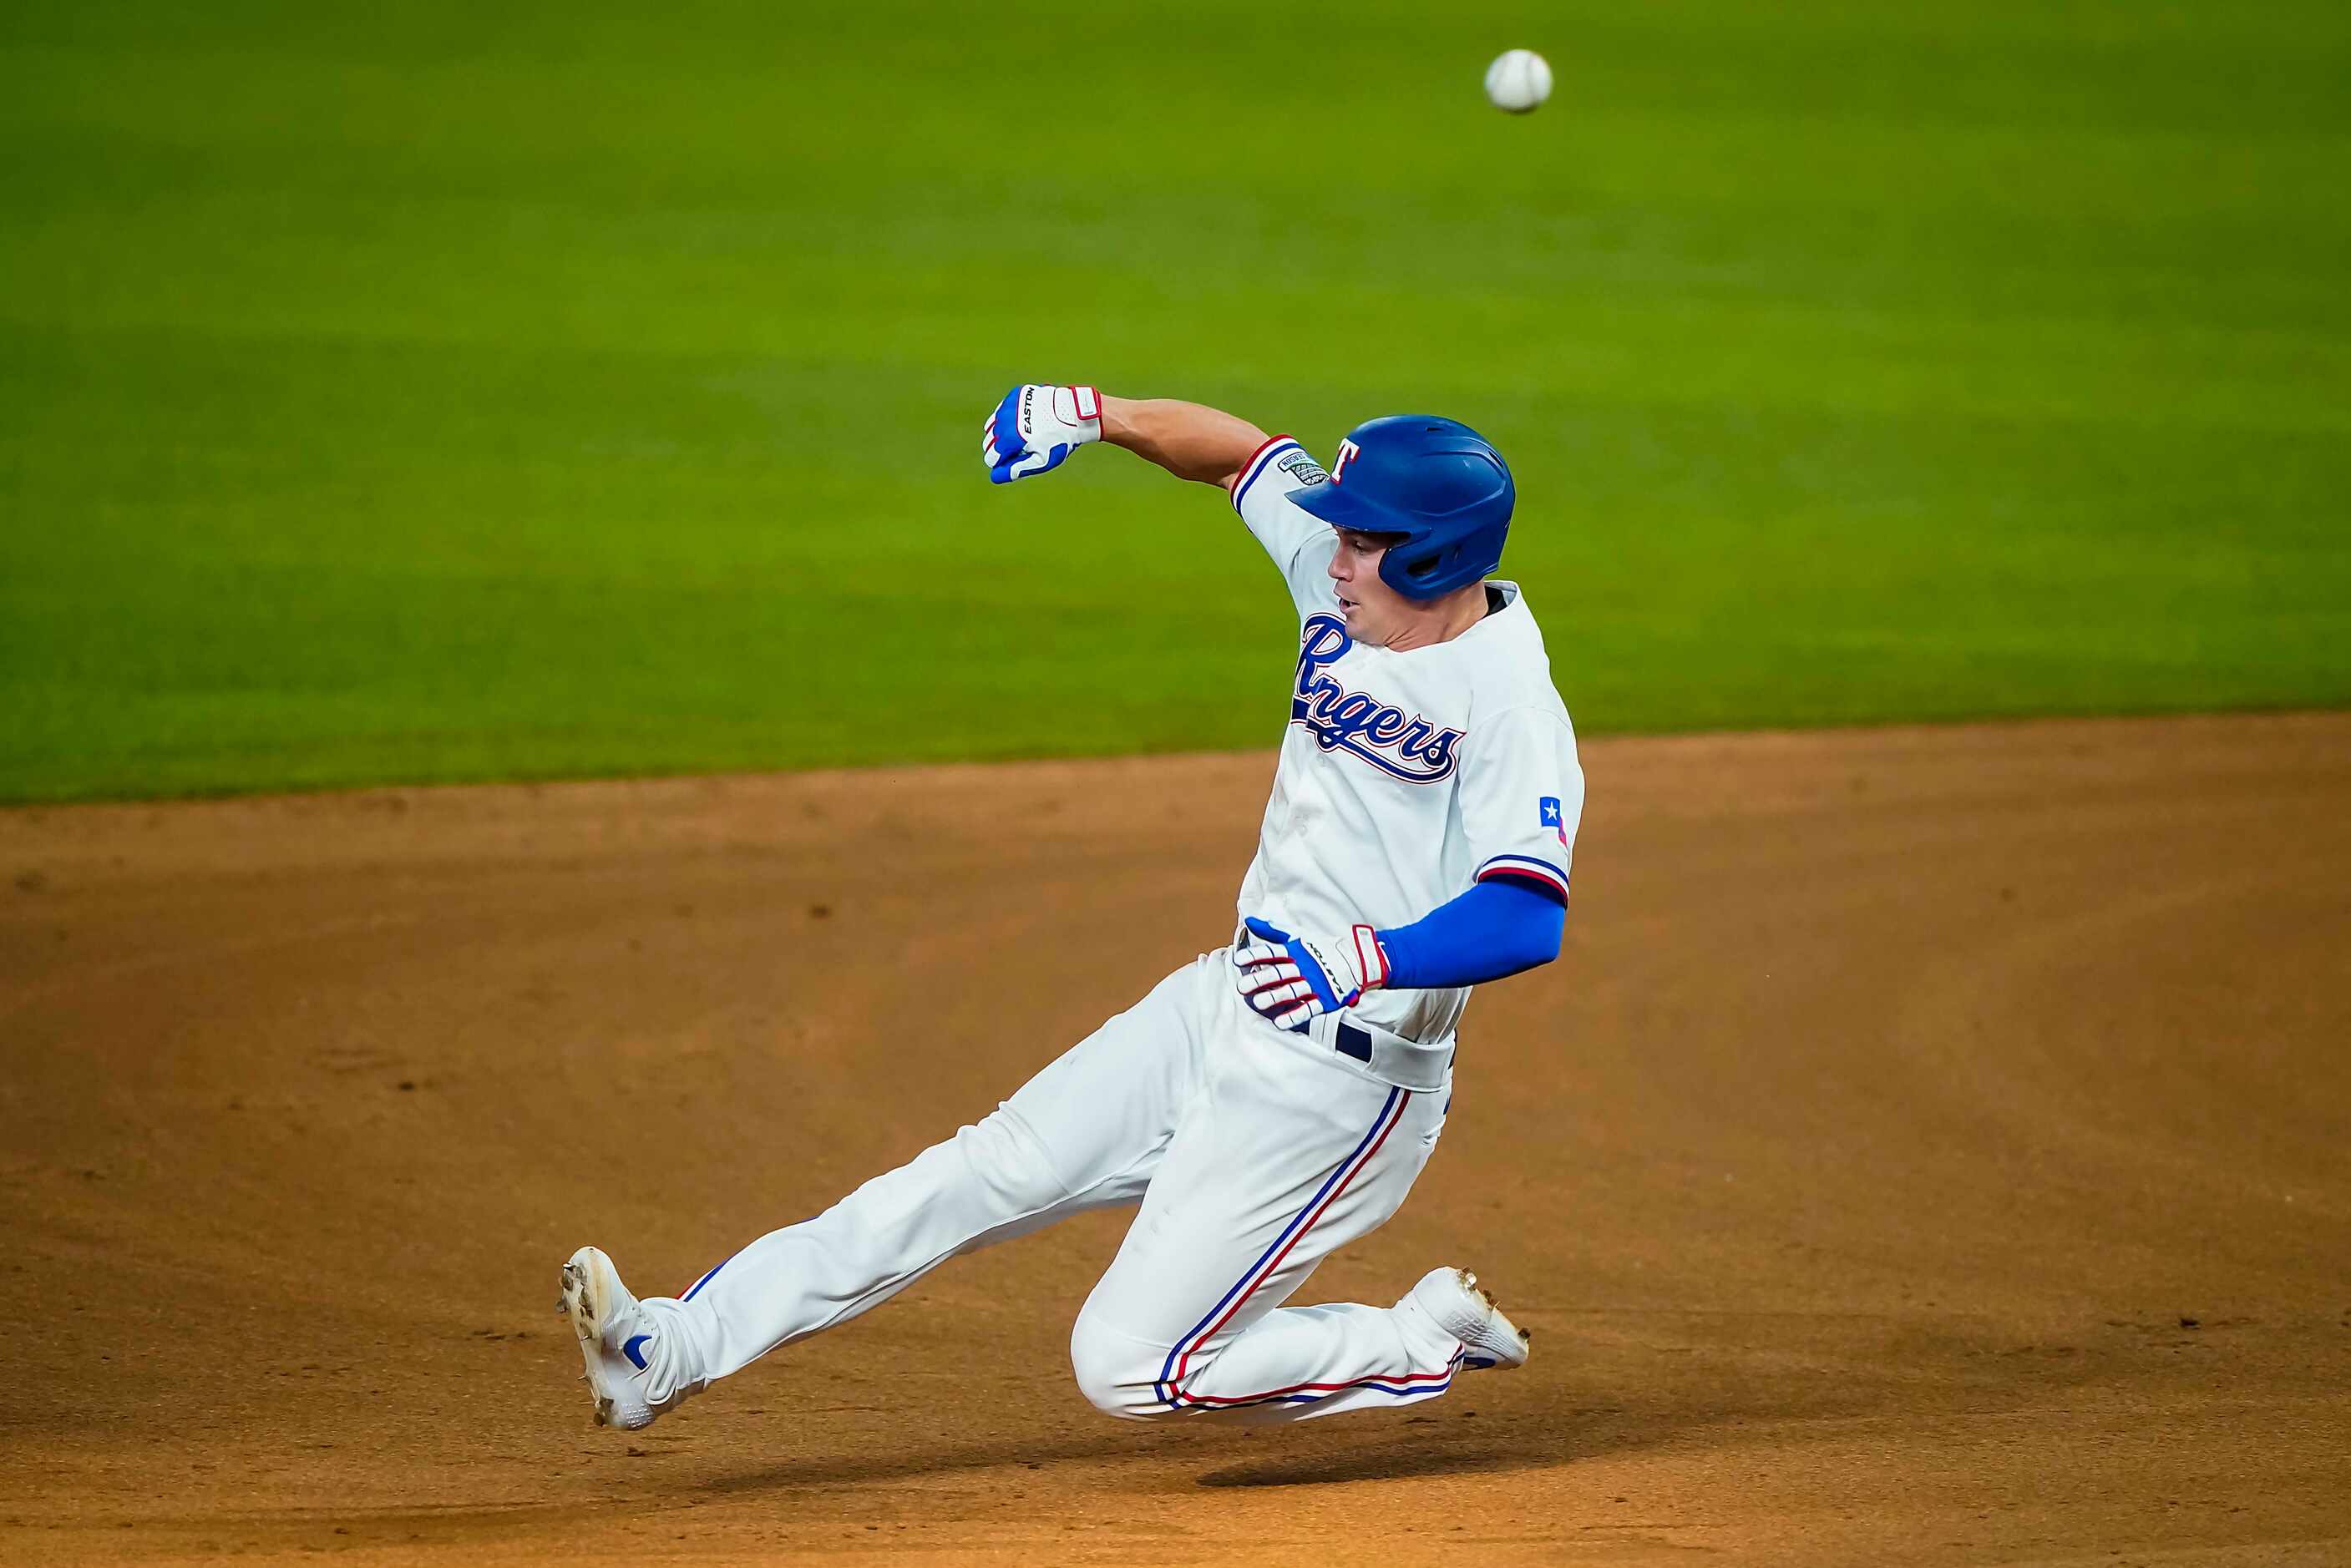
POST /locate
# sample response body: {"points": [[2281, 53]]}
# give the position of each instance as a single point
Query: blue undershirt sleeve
{"points": [[1499, 927]]}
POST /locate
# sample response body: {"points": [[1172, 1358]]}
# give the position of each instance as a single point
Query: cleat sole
{"points": [[574, 1303]]}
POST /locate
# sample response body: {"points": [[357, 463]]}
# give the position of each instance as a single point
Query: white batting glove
{"points": [[1035, 429], [1289, 978]]}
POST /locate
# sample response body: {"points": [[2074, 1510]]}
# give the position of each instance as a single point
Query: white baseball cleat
{"points": [[1450, 1300], [633, 1365]]}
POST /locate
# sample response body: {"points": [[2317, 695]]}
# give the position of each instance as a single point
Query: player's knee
{"points": [[1117, 1373]]}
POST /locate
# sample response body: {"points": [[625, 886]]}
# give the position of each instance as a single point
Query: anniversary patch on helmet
{"points": [[1302, 470]]}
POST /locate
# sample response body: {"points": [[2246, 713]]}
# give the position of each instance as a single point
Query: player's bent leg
{"points": [[1085, 1133], [1297, 1363], [1443, 1326], [1288, 1157]]}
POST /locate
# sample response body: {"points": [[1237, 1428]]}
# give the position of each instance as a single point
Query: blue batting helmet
{"points": [[1436, 481]]}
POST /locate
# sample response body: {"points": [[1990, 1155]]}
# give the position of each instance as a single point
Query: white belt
{"points": [[1389, 1056]]}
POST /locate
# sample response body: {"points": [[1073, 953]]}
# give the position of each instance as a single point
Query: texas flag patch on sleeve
{"points": [[1553, 817]]}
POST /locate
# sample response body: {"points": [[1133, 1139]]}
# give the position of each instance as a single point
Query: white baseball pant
{"points": [[1255, 1152]]}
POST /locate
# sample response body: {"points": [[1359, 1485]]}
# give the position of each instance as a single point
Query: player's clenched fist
{"points": [[1035, 427], [1290, 979]]}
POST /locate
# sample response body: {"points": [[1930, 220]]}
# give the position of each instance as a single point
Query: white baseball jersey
{"points": [[1404, 777]]}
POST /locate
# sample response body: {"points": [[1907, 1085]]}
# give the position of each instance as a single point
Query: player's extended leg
{"points": [[1285, 1158], [1086, 1132]]}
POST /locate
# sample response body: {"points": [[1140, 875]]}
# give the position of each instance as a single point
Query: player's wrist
{"points": [[1078, 411], [1119, 417], [1370, 956]]}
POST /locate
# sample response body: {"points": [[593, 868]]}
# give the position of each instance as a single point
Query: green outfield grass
{"points": [[482, 392]]}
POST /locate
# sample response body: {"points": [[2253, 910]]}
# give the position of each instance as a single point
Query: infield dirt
{"points": [[1933, 1146]]}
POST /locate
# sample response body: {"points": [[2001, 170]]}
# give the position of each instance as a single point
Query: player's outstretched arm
{"points": [[1036, 428], [1190, 441]]}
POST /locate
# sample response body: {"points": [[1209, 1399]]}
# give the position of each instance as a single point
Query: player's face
{"points": [[1375, 612]]}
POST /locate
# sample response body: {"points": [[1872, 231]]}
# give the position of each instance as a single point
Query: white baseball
{"points": [[1517, 80]]}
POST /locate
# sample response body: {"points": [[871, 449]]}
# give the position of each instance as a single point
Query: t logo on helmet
{"points": [[1436, 486]]}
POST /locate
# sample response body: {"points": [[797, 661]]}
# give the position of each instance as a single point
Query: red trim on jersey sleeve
{"points": [[1243, 478], [1545, 878]]}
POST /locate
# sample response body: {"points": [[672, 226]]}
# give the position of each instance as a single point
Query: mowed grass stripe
{"points": [[442, 396]]}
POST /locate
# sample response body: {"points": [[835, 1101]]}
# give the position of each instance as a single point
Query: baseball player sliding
{"points": [[1272, 1101]]}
